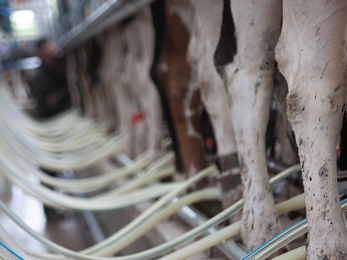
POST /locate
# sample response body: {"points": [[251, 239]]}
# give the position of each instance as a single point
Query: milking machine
{"points": [[70, 141]]}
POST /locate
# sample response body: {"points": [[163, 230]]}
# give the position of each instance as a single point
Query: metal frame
{"points": [[109, 13]]}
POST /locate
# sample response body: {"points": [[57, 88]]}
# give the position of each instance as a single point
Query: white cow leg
{"points": [[214, 95], [202, 46], [310, 56], [259, 218], [250, 80], [133, 86], [107, 74], [149, 94], [113, 74]]}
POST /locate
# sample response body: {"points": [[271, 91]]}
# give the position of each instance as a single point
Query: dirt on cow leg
{"points": [[250, 80], [314, 68], [317, 133], [249, 111], [230, 181]]}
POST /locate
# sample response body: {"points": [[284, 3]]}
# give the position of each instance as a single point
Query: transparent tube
{"points": [[283, 239], [106, 247], [294, 203], [295, 254]]}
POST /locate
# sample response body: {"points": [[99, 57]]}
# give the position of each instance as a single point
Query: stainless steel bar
{"points": [[283, 238], [91, 20], [194, 218], [276, 166], [106, 15], [126, 10]]}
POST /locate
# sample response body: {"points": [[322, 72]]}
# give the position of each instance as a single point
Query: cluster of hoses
{"points": [[70, 141]]}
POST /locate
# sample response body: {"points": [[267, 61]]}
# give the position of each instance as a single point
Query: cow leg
{"points": [[149, 95], [139, 36], [310, 56], [208, 25], [96, 85], [158, 16], [184, 98], [250, 80], [72, 78], [107, 74], [124, 95], [85, 81], [202, 47], [113, 77], [133, 86]]}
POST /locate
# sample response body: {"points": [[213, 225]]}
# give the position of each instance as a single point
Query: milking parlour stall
{"points": [[173, 129]]}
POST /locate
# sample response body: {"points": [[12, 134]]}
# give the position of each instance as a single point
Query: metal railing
{"points": [[106, 15]]}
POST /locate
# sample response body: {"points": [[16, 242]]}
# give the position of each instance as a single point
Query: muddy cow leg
{"points": [[310, 56], [250, 81]]}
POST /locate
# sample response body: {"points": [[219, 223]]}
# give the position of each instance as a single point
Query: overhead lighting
{"points": [[23, 19]]}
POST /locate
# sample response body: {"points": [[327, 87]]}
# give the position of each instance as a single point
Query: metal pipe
{"points": [[109, 13], [283, 238], [194, 218], [89, 22], [126, 10], [341, 176], [275, 165], [89, 216]]}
